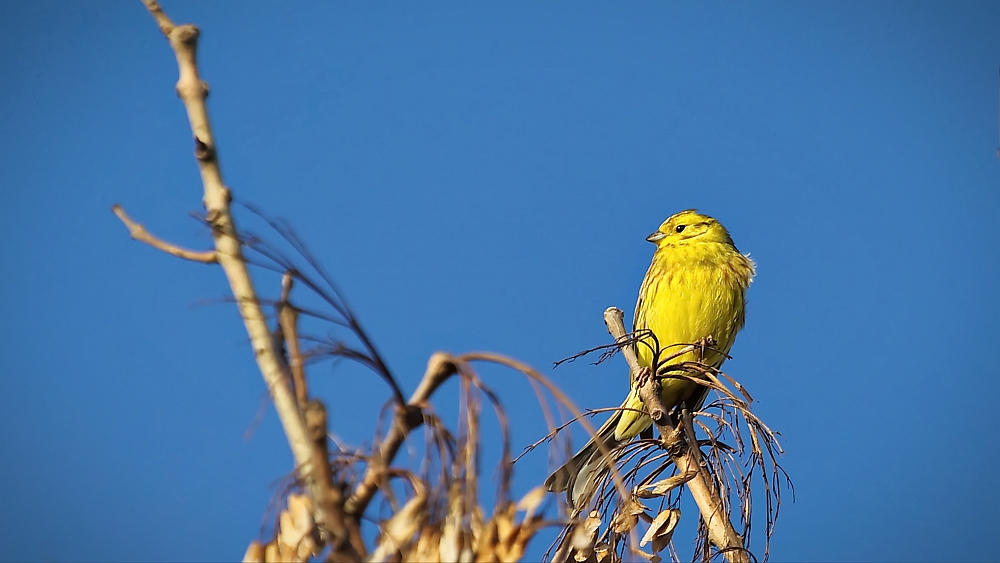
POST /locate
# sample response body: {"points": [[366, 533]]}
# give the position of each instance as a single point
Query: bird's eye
{"points": [[680, 228]]}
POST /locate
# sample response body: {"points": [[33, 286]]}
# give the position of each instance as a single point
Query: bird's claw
{"points": [[643, 376], [704, 344]]}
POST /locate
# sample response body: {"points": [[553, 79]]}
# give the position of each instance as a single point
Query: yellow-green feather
{"points": [[695, 288]]}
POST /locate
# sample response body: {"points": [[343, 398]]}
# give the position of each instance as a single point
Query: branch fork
{"points": [[139, 233]]}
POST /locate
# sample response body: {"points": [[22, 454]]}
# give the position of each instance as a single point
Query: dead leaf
{"points": [[271, 552], [584, 534], [428, 546], [660, 488], [399, 529], [627, 517], [662, 529], [254, 553], [530, 502], [603, 552]]}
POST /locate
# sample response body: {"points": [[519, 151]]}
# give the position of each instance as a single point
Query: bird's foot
{"points": [[704, 344], [649, 388], [642, 376]]}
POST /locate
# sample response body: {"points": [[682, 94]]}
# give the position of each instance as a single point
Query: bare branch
{"points": [[614, 318], [193, 91], [440, 367], [166, 26], [288, 320], [139, 233]]}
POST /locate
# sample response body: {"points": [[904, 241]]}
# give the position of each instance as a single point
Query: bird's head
{"points": [[689, 227]]}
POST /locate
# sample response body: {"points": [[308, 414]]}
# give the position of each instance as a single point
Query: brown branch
{"points": [[288, 320], [166, 26], [193, 91], [614, 318], [440, 367], [720, 530], [139, 233]]}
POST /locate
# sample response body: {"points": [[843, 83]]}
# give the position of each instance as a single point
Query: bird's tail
{"points": [[580, 476]]}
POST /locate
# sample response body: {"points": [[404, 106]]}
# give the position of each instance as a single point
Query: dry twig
{"points": [[139, 233]]}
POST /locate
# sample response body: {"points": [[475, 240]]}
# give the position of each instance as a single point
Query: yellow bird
{"points": [[695, 288]]}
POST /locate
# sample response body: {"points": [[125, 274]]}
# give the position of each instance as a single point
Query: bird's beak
{"points": [[655, 237]]}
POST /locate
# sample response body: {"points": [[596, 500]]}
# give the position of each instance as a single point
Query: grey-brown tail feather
{"points": [[579, 476]]}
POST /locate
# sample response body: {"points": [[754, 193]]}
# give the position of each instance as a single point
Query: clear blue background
{"points": [[482, 176]]}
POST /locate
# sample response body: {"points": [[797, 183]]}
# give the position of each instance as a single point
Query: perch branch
{"points": [[720, 530], [139, 233], [193, 91]]}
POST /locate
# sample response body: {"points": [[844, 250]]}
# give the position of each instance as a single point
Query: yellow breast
{"points": [[691, 293]]}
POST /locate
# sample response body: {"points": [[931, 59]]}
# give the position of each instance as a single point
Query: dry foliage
{"points": [[347, 503], [429, 509], [649, 468]]}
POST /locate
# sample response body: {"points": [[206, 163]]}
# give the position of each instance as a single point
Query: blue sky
{"points": [[481, 176]]}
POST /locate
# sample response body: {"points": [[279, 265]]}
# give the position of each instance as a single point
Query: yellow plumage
{"points": [[695, 288]]}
